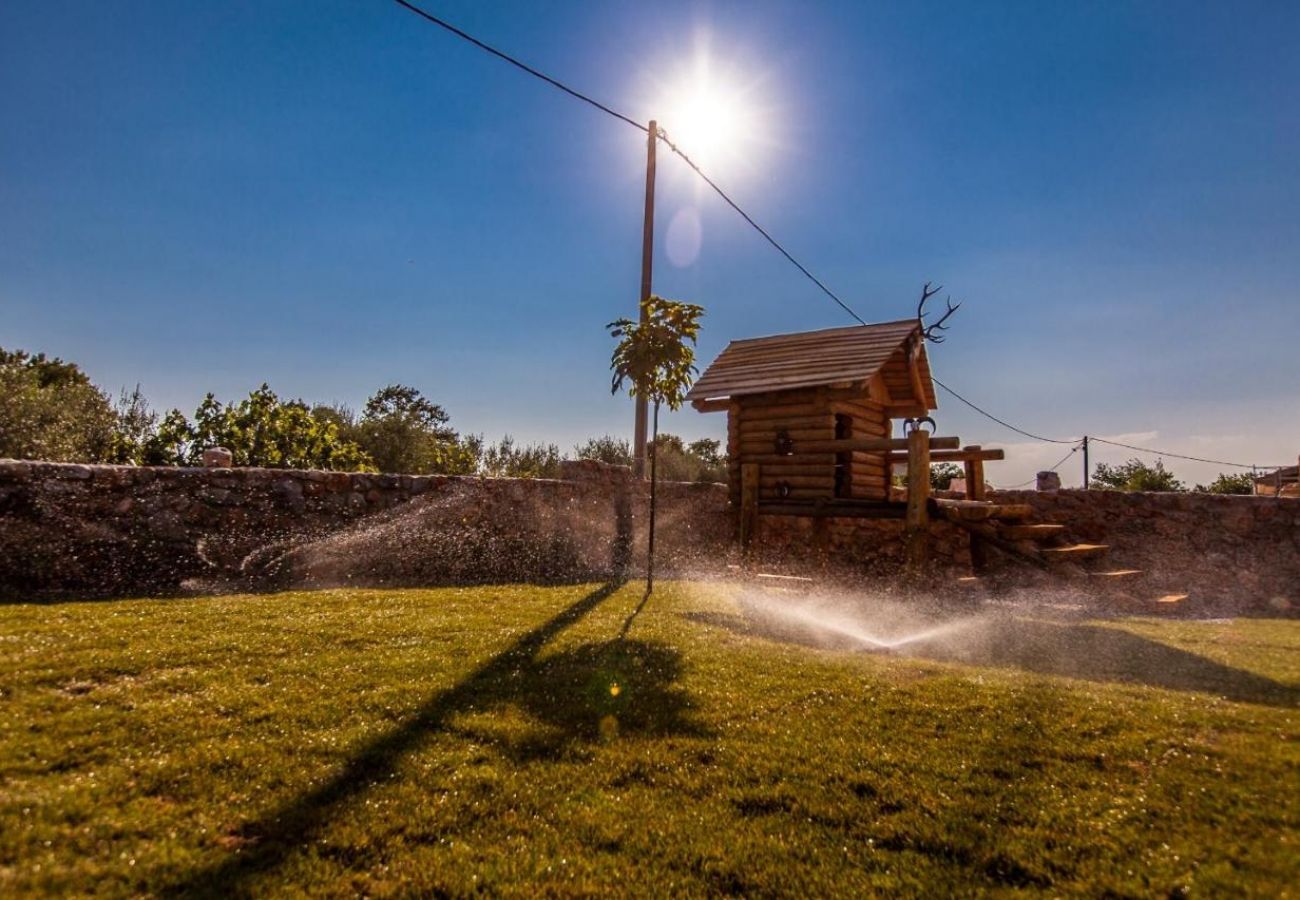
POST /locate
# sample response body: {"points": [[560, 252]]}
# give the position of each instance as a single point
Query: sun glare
{"points": [[710, 114]]}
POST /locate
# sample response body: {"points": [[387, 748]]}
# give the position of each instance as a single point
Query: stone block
{"points": [[218, 458]]}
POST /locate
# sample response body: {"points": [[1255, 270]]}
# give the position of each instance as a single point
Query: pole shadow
{"points": [[279, 832]]}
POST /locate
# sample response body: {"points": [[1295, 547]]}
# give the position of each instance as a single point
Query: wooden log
{"points": [[767, 457], [784, 469], [918, 496], [771, 480], [840, 509], [969, 454], [977, 511], [974, 465], [751, 421], [870, 444], [802, 493], [749, 475], [770, 435]]}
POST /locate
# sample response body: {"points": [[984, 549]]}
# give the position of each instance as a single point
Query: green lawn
{"points": [[503, 739]]}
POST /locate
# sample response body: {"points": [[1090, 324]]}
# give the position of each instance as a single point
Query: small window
{"points": [[843, 461]]}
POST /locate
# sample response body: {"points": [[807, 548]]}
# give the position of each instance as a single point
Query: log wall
{"points": [[754, 422]]}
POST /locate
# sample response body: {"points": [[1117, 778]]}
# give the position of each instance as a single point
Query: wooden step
{"points": [[1073, 553], [979, 510], [1030, 532], [1117, 575]]}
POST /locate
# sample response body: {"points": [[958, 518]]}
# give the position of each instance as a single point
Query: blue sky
{"points": [[334, 196]]}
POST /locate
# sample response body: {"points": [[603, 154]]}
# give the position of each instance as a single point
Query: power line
{"points": [[1002, 422], [1073, 450], [771, 240], [463, 35], [442, 23], [1216, 462]]}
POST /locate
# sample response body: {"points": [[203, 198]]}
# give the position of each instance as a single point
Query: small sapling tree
{"points": [[655, 358]]}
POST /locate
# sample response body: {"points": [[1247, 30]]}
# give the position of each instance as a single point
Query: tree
{"points": [[1243, 483], [505, 460], [606, 449], [403, 431], [1135, 475], [261, 430], [942, 474], [655, 357], [135, 427], [699, 461], [49, 410]]}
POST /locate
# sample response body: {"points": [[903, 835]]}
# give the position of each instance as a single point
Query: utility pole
{"points": [[647, 263], [1085, 462]]}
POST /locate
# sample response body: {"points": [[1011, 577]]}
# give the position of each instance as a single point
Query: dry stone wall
{"points": [[88, 531], [1241, 550]]}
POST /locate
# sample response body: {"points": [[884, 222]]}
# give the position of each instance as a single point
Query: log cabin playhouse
{"points": [[810, 424]]}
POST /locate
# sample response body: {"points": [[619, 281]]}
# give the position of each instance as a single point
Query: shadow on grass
{"points": [[581, 693], [1070, 649]]}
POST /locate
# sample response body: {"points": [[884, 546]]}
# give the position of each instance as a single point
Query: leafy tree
{"points": [[260, 430], [403, 431], [700, 461], [49, 410], [606, 449], [505, 460], [656, 358], [1135, 475], [135, 428], [1243, 483], [942, 474]]}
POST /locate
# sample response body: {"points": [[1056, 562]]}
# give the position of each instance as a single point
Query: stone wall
{"points": [[74, 530], [1238, 549], [851, 546], [86, 531]]}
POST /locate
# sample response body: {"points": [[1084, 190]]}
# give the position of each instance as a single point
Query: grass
{"points": [[500, 740]]}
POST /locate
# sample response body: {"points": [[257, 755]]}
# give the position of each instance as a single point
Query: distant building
{"points": [[1284, 481]]}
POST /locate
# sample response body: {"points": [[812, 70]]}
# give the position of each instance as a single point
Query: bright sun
{"points": [[709, 115], [705, 121]]}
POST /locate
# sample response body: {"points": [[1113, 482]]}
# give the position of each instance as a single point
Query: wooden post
{"points": [[975, 491], [748, 504], [918, 500], [639, 445]]}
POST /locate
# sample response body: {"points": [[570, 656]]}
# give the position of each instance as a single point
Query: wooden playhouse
{"points": [[811, 419]]}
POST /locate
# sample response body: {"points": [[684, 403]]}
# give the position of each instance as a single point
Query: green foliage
{"points": [[1243, 483], [1135, 475], [261, 430], [49, 410], [404, 432], [942, 474], [606, 449], [136, 426], [655, 357], [505, 460], [700, 461]]}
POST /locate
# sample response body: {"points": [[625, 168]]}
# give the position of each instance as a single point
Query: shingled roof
{"points": [[804, 359]]}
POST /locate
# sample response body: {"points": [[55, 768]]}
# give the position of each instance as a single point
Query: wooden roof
{"points": [[840, 357]]}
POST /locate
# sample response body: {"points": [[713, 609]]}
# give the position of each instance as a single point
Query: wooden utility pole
{"points": [[647, 264], [1085, 462]]}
